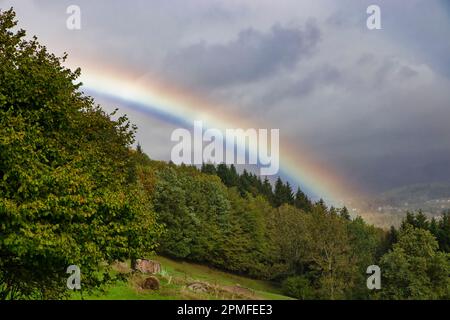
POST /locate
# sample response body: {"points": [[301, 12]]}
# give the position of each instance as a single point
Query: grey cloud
{"points": [[375, 105], [251, 56], [320, 77]]}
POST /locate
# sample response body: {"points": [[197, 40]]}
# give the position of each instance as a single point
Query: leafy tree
{"points": [[366, 243], [288, 232], [298, 287], [328, 252], [68, 193], [246, 248], [170, 201], [414, 268], [440, 227]]}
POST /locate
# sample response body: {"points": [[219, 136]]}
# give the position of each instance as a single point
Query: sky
{"points": [[372, 106]]}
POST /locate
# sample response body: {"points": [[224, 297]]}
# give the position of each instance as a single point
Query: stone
{"points": [[148, 266], [199, 287]]}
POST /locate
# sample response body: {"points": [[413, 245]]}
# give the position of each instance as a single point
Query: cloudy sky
{"points": [[372, 104]]}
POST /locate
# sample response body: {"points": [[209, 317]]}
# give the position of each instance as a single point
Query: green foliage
{"points": [[283, 193], [328, 251], [205, 222], [414, 268], [192, 206], [228, 176], [298, 287], [441, 230], [367, 245], [417, 220], [246, 248], [288, 228], [439, 227], [67, 189], [302, 201]]}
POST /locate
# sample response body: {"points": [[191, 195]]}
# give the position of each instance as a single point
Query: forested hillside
{"points": [[316, 252], [74, 191]]}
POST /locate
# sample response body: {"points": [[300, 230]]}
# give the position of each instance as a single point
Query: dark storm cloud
{"points": [[251, 56]]}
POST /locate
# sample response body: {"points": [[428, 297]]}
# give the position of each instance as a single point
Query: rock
{"points": [[242, 291], [199, 287], [148, 266], [151, 283]]}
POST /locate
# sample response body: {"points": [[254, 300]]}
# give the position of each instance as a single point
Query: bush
{"points": [[298, 287]]}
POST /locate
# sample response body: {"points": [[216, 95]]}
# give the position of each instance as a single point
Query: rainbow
{"points": [[172, 104]]}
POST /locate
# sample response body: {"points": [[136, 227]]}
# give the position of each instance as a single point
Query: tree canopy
{"points": [[67, 192]]}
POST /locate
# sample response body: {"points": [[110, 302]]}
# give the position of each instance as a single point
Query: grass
{"points": [[175, 278]]}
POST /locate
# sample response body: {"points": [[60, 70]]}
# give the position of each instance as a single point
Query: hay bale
{"points": [[150, 283]]}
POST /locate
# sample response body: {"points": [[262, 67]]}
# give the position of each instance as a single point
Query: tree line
{"points": [[239, 223]]}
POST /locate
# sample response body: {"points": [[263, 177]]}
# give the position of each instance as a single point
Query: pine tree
{"points": [[345, 214], [139, 149], [302, 201], [443, 232], [321, 205], [244, 184], [289, 195], [233, 176], [278, 197], [267, 190], [417, 220], [208, 168]]}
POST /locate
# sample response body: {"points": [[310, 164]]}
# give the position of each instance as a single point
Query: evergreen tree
{"points": [[289, 195], [442, 232], [228, 175], [417, 220], [321, 205], [345, 214], [267, 190], [208, 168], [245, 183], [234, 176], [392, 236], [302, 201], [139, 148], [279, 193]]}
